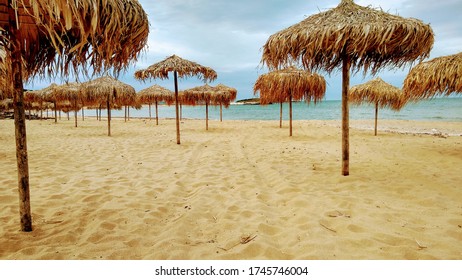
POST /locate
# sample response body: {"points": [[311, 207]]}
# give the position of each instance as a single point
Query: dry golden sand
{"points": [[242, 190]]}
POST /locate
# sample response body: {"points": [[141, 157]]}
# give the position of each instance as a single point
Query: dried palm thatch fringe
{"points": [[351, 37], [439, 76], [155, 94], [39, 106], [379, 93], [290, 84], [181, 68], [110, 90]]}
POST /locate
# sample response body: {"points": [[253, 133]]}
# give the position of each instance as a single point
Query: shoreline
{"points": [[438, 128]]}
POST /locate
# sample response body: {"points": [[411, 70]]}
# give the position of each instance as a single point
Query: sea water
{"points": [[437, 109]]}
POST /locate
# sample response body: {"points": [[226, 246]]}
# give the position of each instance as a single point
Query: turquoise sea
{"points": [[437, 109]]}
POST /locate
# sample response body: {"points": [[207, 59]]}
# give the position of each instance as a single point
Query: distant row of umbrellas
{"points": [[107, 92]]}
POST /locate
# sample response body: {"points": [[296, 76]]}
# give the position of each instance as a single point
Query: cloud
{"points": [[228, 35]]}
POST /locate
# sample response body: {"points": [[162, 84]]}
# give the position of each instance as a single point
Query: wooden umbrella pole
{"points": [[75, 112], [157, 113], [221, 112], [345, 116], [280, 115], [83, 114], [56, 112], [20, 122], [290, 111], [128, 109], [175, 75], [376, 115], [97, 116], [206, 115], [125, 117], [108, 116], [150, 116]]}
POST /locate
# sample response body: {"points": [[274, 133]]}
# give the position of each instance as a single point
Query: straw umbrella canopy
{"points": [[107, 89], [201, 94], [181, 68], [155, 94], [439, 76], [290, 84], [349, 37], [379, 93], [223, 96], [57, 36]]}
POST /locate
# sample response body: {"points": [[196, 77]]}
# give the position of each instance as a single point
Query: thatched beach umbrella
{"points": [[155, 94], [181, 68], [71, 92], [290, 84], [57, 36], [439, 76], [199, 95], [349, 37], [34, 96], [48, 95], [223, 96], [107, 89], [379, 93]]}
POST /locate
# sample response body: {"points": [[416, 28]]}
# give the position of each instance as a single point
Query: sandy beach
{"points": [[241, 190]]}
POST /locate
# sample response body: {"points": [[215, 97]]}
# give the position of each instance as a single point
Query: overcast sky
{"points": [[228, 36]]}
